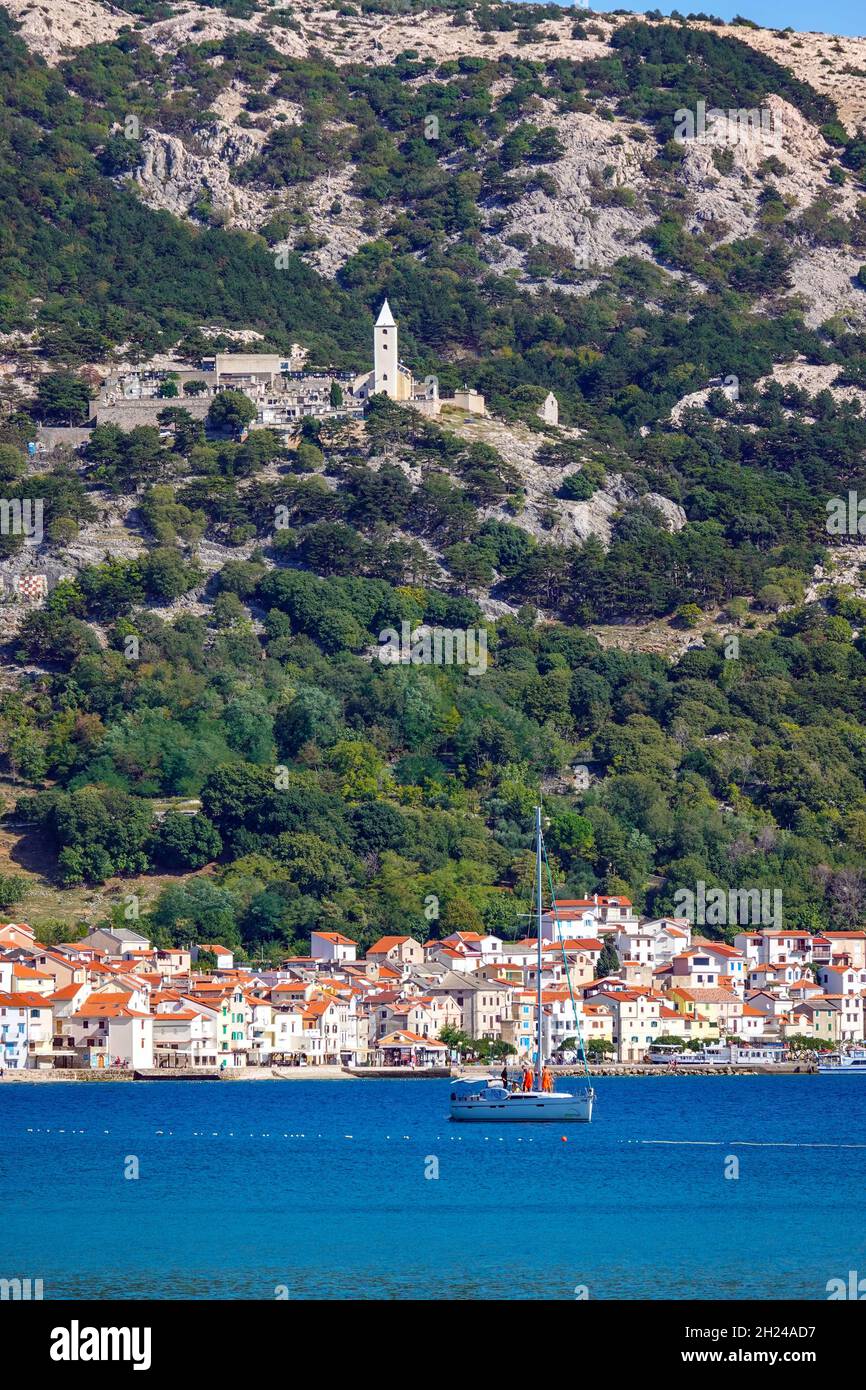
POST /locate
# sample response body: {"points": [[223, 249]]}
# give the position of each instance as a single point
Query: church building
{"points": [[391, 378]]}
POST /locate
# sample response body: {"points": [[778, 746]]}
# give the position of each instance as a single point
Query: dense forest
{"points": [[337, 791]]}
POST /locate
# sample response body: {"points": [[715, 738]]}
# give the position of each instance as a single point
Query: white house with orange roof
{"points": [[778, 977], [29, 980], [333, 946], [839, 978], [321, 1031], [65, 1001], [326, 1028], [775, 946], [593, 916], [637, 946], [455, 956], [671, 935], [224, 958], [349, 1033], [562, 1018], [752, 1023], [731, 963], [102, 1033], [488, 948], [694, 968], [293, 992], [288, 1031], [636, 1020], [184, 1036], [261, 1029]]}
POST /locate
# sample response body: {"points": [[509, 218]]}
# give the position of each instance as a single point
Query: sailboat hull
{"points": [[524, 1107]]}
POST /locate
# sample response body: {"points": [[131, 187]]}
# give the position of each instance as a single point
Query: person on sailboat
{"points": [[527, 1079], [547, 1079]]}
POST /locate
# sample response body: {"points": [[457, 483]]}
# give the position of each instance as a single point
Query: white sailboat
{"points": [[489, 1102]]}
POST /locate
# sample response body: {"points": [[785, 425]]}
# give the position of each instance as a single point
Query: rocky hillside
{"points": [[663, 223], [217, 145], [525, 186]]}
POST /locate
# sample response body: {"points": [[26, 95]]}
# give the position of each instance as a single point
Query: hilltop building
{"points": [[279, 384], [392, 378], [389, 376]]}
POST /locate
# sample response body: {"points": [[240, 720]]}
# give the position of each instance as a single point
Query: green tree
{"points": [[230, 412], [313, 716], [608, 962], [62, 398], [185, 843], [197, 910]]}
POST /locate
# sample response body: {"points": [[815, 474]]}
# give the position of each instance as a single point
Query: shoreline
{"points": [[86, 1075]]}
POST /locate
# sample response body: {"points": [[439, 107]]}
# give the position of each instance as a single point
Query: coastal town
{"points": [[113, 1001]]}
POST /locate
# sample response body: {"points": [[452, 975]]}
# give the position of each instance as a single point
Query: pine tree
{"points": [[608, 961]]}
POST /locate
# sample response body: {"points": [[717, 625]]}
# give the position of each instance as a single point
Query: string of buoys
{"points": [[744, 1143], [296, 1134]]}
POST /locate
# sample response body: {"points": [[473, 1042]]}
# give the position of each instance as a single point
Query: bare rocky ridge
{"points": [[835, 65], [53, 28], [579, 219], [593, 236], [173, 176]]}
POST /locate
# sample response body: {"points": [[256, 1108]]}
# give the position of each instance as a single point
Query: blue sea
{"points": [[319, 1189]]}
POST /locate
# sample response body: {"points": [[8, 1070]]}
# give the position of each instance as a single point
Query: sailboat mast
{"points": [[538, 1056]]}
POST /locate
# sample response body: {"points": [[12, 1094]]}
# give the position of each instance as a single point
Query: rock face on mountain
{"points": [[173, 175], [832, 64], [599, 197], [601, 190], [53, 28]]}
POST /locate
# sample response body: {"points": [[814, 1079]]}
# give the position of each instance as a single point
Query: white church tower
{"points": [[385, 357]]}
